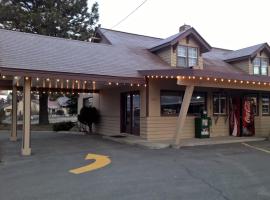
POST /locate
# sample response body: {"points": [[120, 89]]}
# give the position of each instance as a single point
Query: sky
{"points": [[230, 24]]}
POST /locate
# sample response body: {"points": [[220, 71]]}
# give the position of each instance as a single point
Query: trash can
{"points": [[202, 126]]}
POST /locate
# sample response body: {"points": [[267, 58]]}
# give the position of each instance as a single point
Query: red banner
{"points": [[234, 116]]}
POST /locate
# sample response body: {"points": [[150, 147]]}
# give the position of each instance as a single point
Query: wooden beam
{"points": [[183, 114], [26, 149]]}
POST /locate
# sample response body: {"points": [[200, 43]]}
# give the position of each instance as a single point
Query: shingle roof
{"points": [[243, 53], [129, 39], [42, 53]]}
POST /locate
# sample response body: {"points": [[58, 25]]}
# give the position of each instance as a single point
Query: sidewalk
{"points": [[135, 140]]}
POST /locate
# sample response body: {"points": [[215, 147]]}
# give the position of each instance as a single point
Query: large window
{"points": [[260, 66], [187, 56], [265, 104], [171, 101], [197, 103], [219, 104]]}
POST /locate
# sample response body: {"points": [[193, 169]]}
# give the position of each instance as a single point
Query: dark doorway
{"points": [[130, 112]]}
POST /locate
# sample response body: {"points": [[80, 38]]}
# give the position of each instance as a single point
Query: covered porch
{"points": [[189, 84], [37, 82]]}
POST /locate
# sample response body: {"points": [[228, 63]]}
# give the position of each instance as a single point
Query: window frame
{"points": [[220, 95], [187, 55], [260, 59], [204, 94], [181, 95], [265, 96]]}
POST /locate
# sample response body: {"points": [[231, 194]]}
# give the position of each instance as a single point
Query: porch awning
{"points": [[206, 74]]}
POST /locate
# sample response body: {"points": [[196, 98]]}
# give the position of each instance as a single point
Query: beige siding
{"points": [[243, 65], [109, 106], [165, 54]]}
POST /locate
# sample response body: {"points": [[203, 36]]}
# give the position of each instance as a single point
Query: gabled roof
{"points": [[248, 52], [175, 38]]}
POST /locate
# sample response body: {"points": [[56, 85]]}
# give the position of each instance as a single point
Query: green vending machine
{"points": [[202, 126]]}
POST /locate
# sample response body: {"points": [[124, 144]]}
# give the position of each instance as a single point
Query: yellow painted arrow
{"points": [[100, 161]]}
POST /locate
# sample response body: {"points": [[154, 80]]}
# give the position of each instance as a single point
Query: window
{"points": [[266, 105], [187, 56], [260, 66], [219, 104], [170, 102], [254, 99], [197, 103]]}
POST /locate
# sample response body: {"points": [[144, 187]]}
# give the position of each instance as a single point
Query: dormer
{"points": [[183, 49], [253, 60]]}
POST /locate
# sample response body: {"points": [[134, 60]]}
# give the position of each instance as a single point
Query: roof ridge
{"points": [[131, 33], [51, 37]]}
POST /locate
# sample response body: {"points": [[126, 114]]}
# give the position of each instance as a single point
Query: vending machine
{"points": [[241, 116], [202, 126]]}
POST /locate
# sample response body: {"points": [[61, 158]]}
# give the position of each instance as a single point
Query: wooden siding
{"points": [[244, 65], [165, 54]]}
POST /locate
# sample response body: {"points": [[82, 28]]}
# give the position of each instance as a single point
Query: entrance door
{"points": [[130, 112]]}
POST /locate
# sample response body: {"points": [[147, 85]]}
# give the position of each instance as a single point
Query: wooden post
{"points": [[183, 114], [26, 150], [13, 134]]}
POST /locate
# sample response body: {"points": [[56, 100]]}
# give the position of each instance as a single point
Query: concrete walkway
{"points": [[135, 140]]}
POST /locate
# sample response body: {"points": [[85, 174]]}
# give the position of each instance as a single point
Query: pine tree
{"points": [[60, 18]]}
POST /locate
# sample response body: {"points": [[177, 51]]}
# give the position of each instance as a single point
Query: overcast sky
{"points": [[231, 24]]}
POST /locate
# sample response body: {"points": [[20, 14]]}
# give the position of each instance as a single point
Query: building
{"points": [[145, 86]]}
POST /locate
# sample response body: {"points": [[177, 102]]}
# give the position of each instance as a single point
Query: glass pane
{"points": [[223, 105], [265, 105], [216, 105], [264, 70], [192, 52], [182, 62], [182, 51], [128, 113], [192, 62], [170, 103], [197, 104], [256, 62], [256, 70], [136, 111]]}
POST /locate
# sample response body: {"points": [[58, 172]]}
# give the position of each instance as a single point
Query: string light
{"points": [[37, 79], [241, 82], [222, 80], [229, 80], [3, 76], [110, 83], [200, 78], [247, 82], [48, 79], [193, 77], [235, 81], [215, 79], [208, 78]]}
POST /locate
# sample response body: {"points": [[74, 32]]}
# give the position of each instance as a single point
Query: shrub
{"points": [[89, 116], [63, 126], [59, 112]]}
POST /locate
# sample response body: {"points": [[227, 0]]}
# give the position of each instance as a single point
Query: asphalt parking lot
{"points": [[231, 171]]}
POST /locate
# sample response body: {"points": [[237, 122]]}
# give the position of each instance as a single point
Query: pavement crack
{"points": [[210, 185]]}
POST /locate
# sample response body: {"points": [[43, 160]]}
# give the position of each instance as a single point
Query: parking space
{"points": [[231, 171]]}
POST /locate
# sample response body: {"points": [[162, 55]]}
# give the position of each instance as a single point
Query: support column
{"points": [[183, 114], [26, 145], [13, 134]]}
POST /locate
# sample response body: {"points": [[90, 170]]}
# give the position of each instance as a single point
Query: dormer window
{"points": [[260, 66], [187, 56]]}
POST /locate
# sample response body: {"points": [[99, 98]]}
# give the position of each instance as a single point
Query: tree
{"points": [[60, 18]]}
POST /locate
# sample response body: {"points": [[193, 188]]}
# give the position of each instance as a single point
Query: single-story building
{"points": [[150, 87]]}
